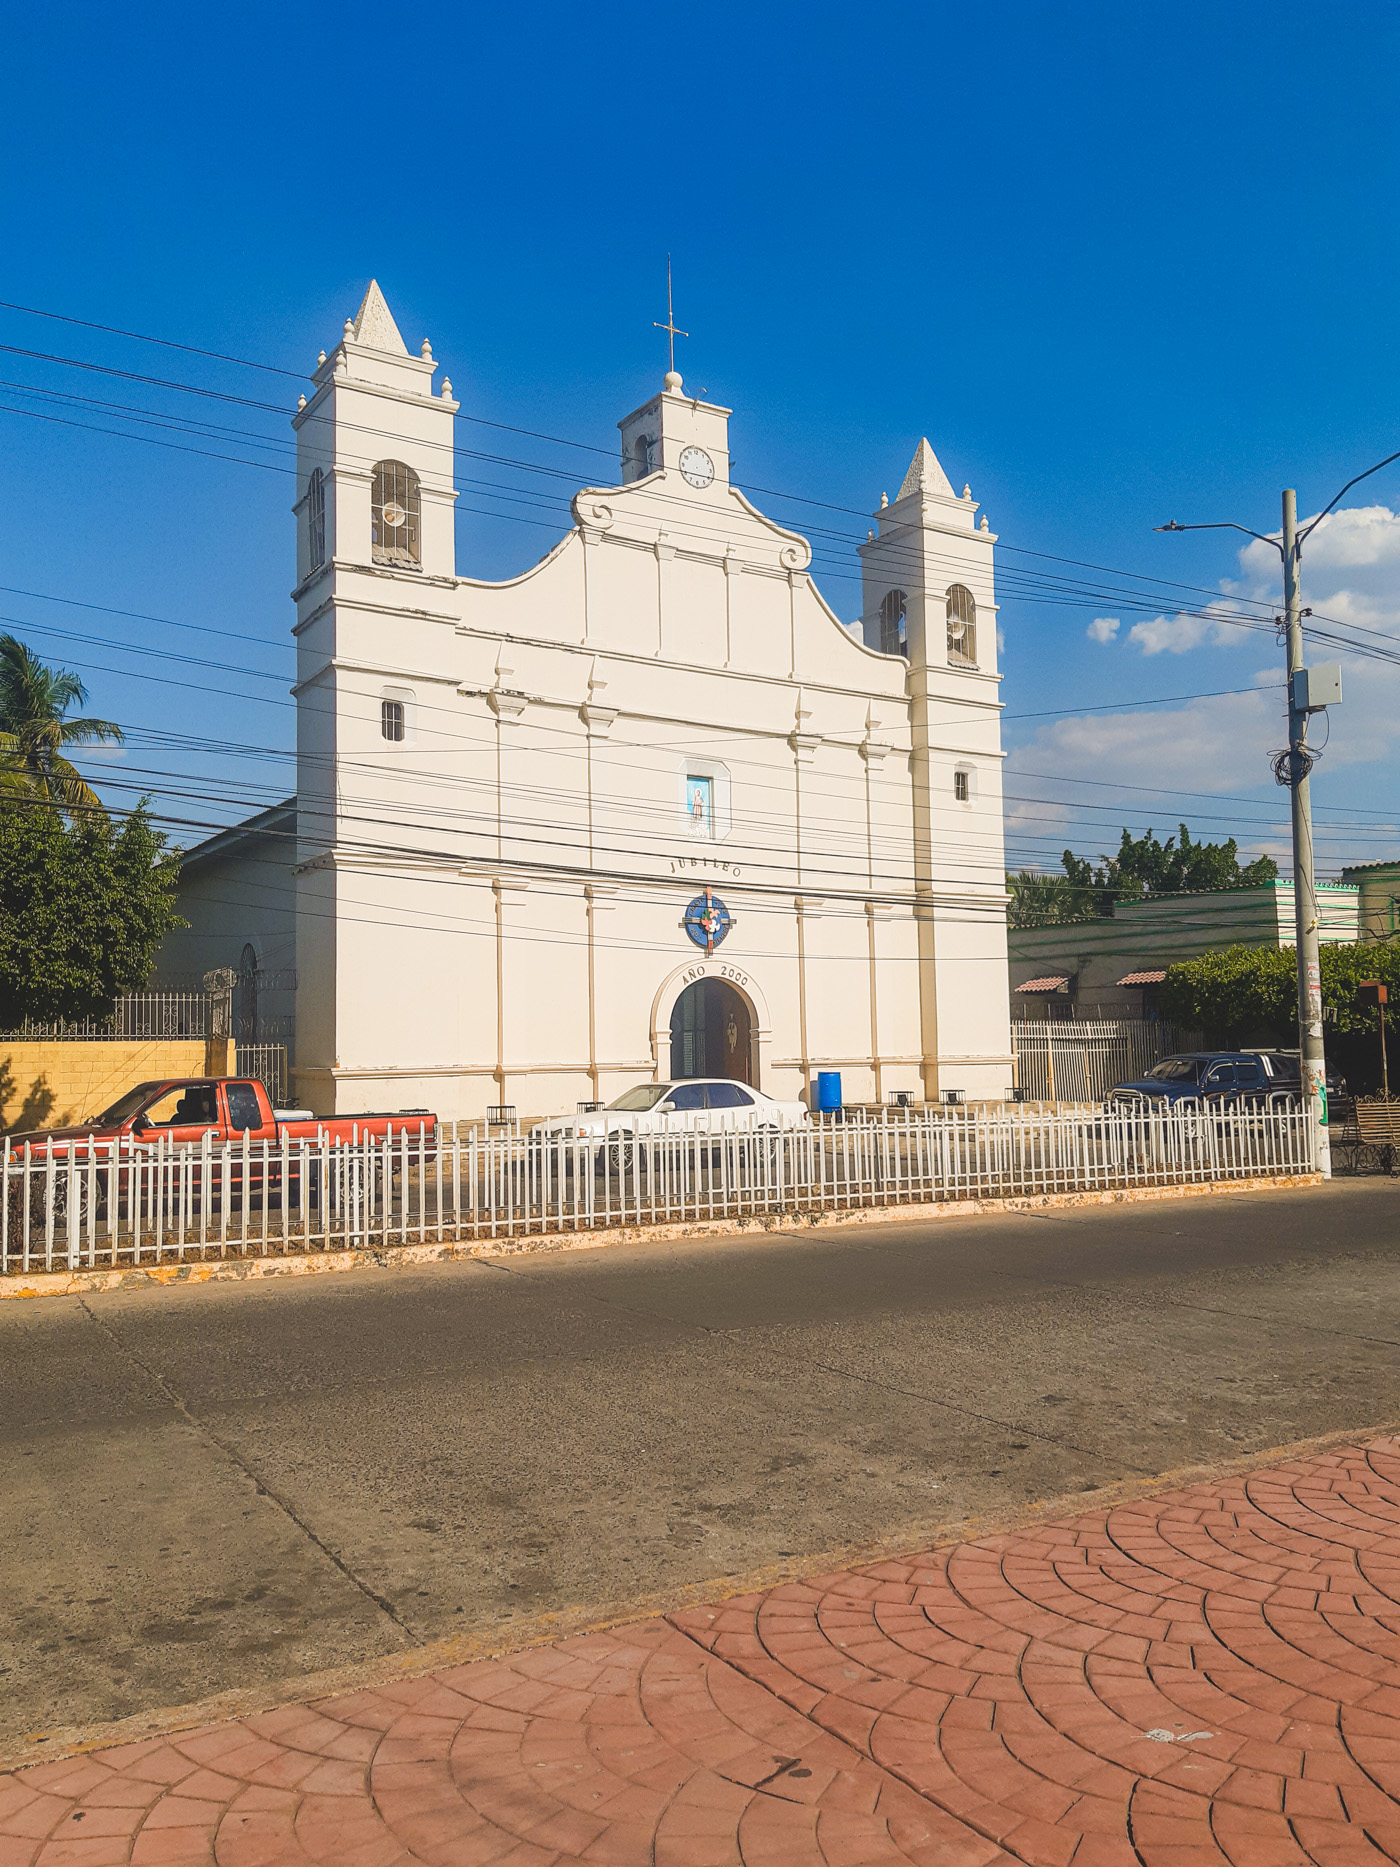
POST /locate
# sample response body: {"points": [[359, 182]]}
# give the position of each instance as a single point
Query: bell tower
{"points": [[929, 596], [376, 565], [926, 549], [381, 443]]}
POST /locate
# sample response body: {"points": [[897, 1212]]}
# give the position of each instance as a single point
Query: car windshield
{"points": [[127, 1106], [1175, 1070], [644, 1096]]}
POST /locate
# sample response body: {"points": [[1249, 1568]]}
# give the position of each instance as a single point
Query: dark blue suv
{"points": [[1228, 1076]]}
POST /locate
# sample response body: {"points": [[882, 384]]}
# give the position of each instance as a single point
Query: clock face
{"points": [[394, 515], [697, 469]]}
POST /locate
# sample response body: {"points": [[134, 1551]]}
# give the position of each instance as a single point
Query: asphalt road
{"points": [[216, 1487]]}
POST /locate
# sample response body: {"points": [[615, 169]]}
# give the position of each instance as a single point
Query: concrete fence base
{"points": [[411, 1257]]}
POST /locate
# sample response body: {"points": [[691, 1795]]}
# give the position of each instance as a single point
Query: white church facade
{"points": [[649, 809]]}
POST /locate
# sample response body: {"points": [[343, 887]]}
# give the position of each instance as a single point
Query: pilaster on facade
{"points": [[508, 704], [596, 716]]}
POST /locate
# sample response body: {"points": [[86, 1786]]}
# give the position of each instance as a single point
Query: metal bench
{"points": [[1370, 1141]]}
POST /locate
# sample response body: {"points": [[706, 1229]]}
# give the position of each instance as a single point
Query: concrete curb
{"points": [[560, 1624], [84, 1283]]}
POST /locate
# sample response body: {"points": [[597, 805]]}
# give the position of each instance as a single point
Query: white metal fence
{"points": [[1084, 1059], [76, 1205]]}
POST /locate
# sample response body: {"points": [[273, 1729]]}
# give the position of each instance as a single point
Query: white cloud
{"points": [[1357, 548], [1103, 629], [1175, 635], [1206, 747]]}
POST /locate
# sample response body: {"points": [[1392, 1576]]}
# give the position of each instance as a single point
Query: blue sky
{"points": [[1119, 263]]}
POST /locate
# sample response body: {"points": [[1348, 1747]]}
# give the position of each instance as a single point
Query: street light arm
{"points": [[1229, 525], [1346, 489]]}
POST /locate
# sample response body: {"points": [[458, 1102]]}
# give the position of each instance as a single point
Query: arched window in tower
{"points": [[316, 517], [394, 515], [894, 623], [962, 627], [641, 457]]}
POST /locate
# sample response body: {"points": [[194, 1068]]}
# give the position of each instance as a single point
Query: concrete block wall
{"points": [[53, 1084]]}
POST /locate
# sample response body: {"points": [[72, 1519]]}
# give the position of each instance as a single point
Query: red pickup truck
{"points": [[186, 1108], [150, 1120]]}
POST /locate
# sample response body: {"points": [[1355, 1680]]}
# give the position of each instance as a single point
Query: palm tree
{"points": [[1042, 900], [34, 734]]}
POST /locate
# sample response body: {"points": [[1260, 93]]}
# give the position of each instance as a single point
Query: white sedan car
{"points": [[703, 1104]]}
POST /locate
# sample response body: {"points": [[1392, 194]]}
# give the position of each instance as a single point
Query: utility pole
{"points": [[1312, 1057], [1305, 695]]}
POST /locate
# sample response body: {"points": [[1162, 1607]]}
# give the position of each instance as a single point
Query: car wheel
{"points": [[763, 1145]]}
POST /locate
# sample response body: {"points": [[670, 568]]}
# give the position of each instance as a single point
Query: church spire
{"points": [[925, 475], [374, 324]]}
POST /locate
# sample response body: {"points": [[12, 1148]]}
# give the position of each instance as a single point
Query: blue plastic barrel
{"points": [[828, 1090]]}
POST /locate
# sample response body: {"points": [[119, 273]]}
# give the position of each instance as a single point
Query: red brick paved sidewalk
{"points": [[1211, 1675]]}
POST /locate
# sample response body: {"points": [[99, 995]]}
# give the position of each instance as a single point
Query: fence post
{"points": [[220, 1053]]}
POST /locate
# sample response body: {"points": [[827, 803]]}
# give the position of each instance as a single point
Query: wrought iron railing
{"points": [[134, 1016], [268, 1063]]}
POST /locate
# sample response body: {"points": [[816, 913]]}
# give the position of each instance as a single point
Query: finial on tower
{"points": [[673, 381]]}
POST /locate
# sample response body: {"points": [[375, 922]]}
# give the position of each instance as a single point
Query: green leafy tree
{"points": [[1238, 995], [1143, 866], [35, 733], [1147, 866], [1249, 995], [83, 907]]}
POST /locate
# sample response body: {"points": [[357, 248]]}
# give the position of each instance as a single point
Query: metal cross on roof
{"points": [[670, 326]]}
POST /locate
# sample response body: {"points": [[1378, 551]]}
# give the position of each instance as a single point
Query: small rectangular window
{"points": [[962, 786], [391, 720]]}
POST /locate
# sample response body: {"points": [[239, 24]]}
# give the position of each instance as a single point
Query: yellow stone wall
{"points": [[48, 1085]]}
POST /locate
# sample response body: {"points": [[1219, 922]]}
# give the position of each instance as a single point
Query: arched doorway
{"points": [[711, 1032]]}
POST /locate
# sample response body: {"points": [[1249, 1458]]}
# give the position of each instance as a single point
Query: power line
{"points": [[139, 337], [1081, 595], [767, 492]]}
